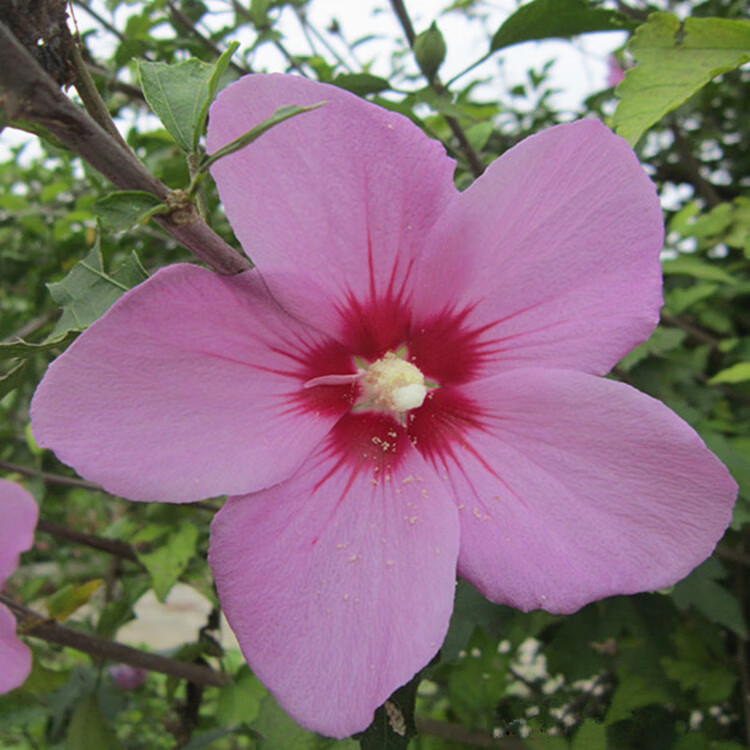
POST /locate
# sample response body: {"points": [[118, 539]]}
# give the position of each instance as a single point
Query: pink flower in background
{"points": [[408, 387], [127, 677], [19, 513], [615, 73]]}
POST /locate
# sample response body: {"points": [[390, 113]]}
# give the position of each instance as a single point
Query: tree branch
{"points": [[27, 91], [31, 623], [111, 546], [702, 186], [179, 17], [475, 162], [456, 733], [49, 478], [697, 334]]}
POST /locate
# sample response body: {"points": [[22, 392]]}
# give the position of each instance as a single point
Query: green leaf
{"points": [[181, 94], [214, 86], [662, 341], [739, 373], [674, 62], [545, 742], [207, 739], [479, 134], [88, 291], [475, 681], [240, 702], [697, 269], [361, 84], [71, 597], [88, 729], [734, 453], [702, 590], [44, 680], [683, 298], [633, 691], [591, 735], [21, 349], [559, 19], [124, 208], [280, 732], [167, 563], [712, 684], [13, 378], [281, 114], [393, 725]]}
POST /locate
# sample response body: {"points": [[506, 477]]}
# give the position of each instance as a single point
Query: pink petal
{"points": [[346, 191], [19, 514], [555, 249], [573, 488], [339, 582], [15, 657], [190, 386]]}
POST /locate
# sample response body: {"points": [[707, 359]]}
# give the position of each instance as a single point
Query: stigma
{"points": [[393, 385]]}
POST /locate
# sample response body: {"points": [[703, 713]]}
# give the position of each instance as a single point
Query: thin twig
{"points": [[181, 18], [33, 325], [63, 481], [111, 546], [133, 92], [31, 623], [30, 93], [455, 733], [50, 478], [635, 13], [702, 186], [742, 649], [90, 97], [403, 16], [734, 554], [101, 21], [695, 333], [308, 27], [245, 13], [467, 149]]}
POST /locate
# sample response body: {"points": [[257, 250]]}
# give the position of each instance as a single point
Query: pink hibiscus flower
{"points": [[19, 513], [407, 387]]}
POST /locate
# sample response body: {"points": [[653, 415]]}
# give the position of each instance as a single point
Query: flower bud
{"points": [[429, 51]]}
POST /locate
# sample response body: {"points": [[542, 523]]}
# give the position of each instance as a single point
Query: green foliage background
{"points": [[659, 671]]}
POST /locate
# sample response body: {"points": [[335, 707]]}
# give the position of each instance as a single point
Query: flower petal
{"points": [[15, 657], [573, 488], [348, 190], [339, 582], [190, 386], [19, 512], [555, 249]]}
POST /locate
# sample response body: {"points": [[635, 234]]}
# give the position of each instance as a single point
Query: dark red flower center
{"points": [[372, 434]]}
